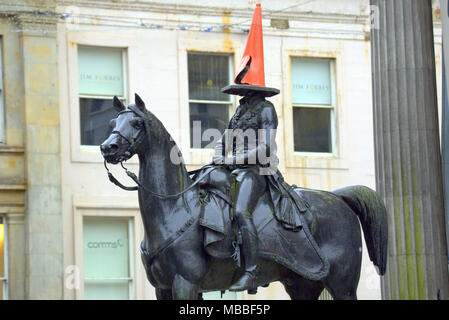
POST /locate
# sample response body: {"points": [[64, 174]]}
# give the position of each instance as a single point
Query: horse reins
{"points": [[132, 175]]}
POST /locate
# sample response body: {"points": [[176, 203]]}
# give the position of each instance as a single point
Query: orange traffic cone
{"points": [[251, 74]]}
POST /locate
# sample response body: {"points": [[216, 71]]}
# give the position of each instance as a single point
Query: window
{"points": [[101, 75], [217, 295], [2, 106], [313, 97], [107, 256], [209, 107], [3, 260]]}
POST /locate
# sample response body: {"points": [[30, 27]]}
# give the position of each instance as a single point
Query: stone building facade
{"points": [[30, 181], [62, 61]]}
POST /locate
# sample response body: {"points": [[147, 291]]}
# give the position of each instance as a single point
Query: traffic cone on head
{"points": [[251, 74]]}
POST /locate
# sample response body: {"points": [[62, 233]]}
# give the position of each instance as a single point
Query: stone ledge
{"points": [[13, 187], [11, 149]]}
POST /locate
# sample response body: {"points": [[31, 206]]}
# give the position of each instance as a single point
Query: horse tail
{"points": [[372, 213]]}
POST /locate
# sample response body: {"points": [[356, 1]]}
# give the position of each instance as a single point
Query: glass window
{"points": [[101, 75], [312, 129], [95, 115], [217, 295], [313, 104], [2, 106], [3, 260], [209, 107], [108, 263]]}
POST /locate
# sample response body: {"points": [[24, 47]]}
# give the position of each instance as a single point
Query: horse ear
{"points": [[139, 102], [118, 105]]}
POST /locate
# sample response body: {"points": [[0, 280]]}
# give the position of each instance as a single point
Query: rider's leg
{"points": [[249, 189]]}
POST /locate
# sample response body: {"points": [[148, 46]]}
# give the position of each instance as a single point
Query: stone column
{"points": [[407, 149], [43, 217]]}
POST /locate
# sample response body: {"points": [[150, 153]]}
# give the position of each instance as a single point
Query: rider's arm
{"points": [[220, 150]]}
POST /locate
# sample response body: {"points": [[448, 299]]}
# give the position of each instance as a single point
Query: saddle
{"points": [[280, 219]]}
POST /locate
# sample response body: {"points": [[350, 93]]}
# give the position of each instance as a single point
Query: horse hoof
{"points": [[252, 291]]}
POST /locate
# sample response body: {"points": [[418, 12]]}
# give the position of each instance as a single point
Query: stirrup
{"points": [[251, 277]]}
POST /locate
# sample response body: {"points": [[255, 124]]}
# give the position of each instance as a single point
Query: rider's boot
{"points": [[249, 251]]}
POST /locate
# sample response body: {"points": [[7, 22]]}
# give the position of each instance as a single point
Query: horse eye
{"points": [[112, 123], [136, 123]]}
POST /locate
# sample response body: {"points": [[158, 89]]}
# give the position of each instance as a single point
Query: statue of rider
{"points": [[250, 138]]}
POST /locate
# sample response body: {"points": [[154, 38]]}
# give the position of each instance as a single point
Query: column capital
{"points": [[38, 23]]}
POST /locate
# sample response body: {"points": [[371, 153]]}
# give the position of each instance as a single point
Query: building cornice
{"points": [[132, 15], [217, 10], [35, 22]]}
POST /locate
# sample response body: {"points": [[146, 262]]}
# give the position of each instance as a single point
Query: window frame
{"points": [[106, 207], [5, 278], [120, 206], [229, 103], [2, 98], [216, 295], [306, 161], [123, 98], [131, 279], [85, 153], [332, 107], [207, 43]]}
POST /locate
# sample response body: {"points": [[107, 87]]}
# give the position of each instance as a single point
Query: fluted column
{"points": [[407, 152]]}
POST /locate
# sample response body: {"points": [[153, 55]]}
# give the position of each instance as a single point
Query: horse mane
{"points": [[159, 131]]}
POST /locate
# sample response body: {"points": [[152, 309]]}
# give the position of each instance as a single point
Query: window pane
{"points": [[106, 290], [2, 107], [100, 71], [312, 129], [311, 81], [208, 73], [2, 256], [95, 115], [106, 258], [210, 116], [2, 248], [216, 295]]}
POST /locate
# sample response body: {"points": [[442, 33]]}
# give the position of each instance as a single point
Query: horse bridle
{"points": [[132, 148]]}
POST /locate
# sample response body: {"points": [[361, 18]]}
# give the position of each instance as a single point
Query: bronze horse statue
{"points": [[185, 254]]}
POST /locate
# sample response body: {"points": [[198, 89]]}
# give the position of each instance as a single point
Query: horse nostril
{"points": [[113, 148], [108, 149]]}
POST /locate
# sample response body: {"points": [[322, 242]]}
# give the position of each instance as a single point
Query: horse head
{"points": [[129, 130]]}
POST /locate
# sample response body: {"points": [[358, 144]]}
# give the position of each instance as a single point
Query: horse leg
{"points": [[183, 289], [342, 290], [343, 285], [299, 288], [343, 295], [343, 280], [164, 294]]}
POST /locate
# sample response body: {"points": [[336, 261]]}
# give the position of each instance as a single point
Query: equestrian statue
{"points": [[235, 224]]}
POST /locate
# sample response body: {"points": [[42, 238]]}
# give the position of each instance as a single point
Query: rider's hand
{"points": [[218, 160]]}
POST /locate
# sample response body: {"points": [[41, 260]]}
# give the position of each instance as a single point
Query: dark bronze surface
{"points": [[190, 244], [245, 89]]}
